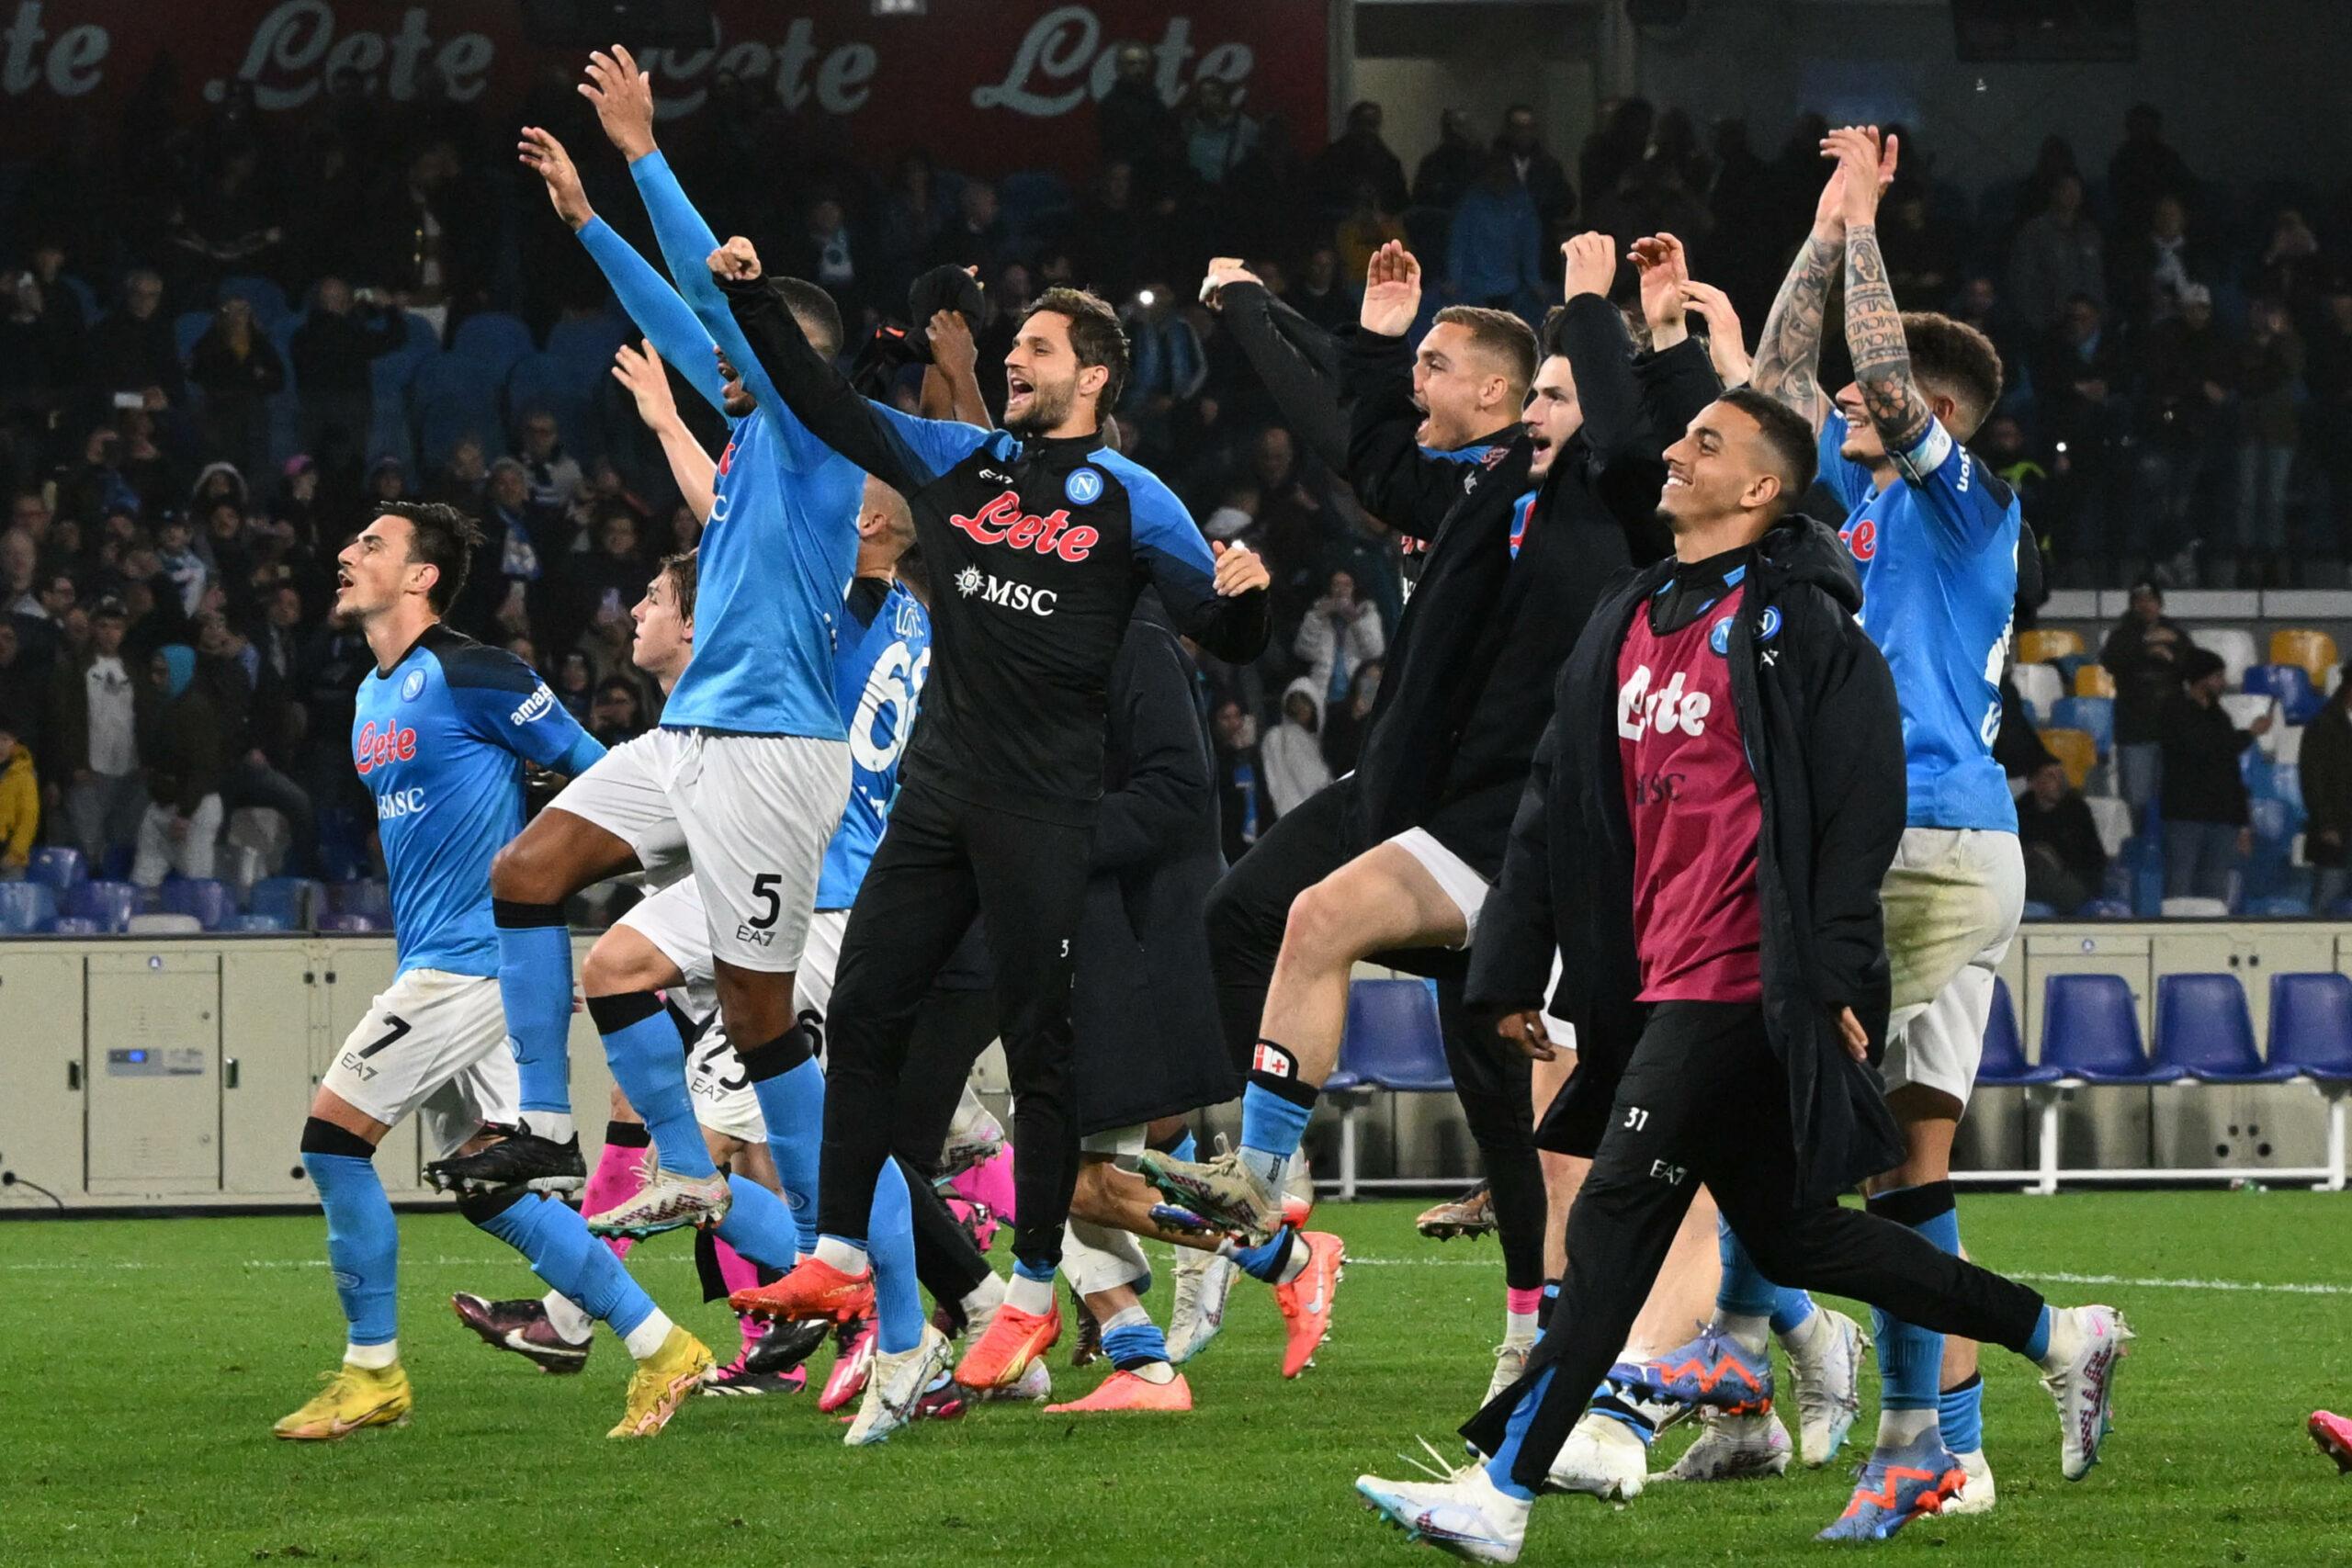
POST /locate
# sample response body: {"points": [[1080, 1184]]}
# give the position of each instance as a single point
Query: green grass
{"points": [[142, 1362]]}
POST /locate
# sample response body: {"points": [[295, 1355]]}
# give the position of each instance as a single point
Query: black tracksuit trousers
{"points": [[1703, 1098]]}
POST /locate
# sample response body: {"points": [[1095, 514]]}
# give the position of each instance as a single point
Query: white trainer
{"points": [[973, 1137], [1204, 1281], [896, 1385], [1825, 1365], [1976, 1494], [667, 1202], [1463, 1513], [1511, 1365], [1602, 1458], [1031, 1386], [1733, 1448], [2087, 1351]]}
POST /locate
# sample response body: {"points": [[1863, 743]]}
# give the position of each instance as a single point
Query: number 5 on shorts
{"points": [[764, 889]]}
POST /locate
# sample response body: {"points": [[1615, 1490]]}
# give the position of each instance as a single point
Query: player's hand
{"points": [[1239, 569], [2259, 726], [1526, 1032], [1392, 291], [1727, 342], [1867, 167], [735, 262], [640, 370], [1591, 264], [1857, 1038], [544, 156], [951, 343], [1664, 268], [623, 98], [1222, 271]]}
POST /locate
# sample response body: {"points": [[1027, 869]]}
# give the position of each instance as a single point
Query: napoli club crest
{"points": [[1084, 487], [413, 687]]}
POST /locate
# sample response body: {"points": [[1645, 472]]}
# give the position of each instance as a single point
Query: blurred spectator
{"points": [[2144, 652], [553, 473], [40, 344], [618, 713], [2156, 266], [2327, 375], [1924, 254], [606, 579], [1321, 294], [2057, 258], [1368, 226], [24, 694], [2327, 764], [132, 347], [1241, 804], [179, 736], [258, 733], [1493, 254], [2187, 370], [2064, 862], [1345, 722], [1112, 240], [827, 254], [1339, 635], [333, 352], [2079, 379], [509, 585], [2145, 167], [1615, 145], [1357, 171], [19, 574], [976, 237], [2204, 796], [95, 715], [1217, 135], [1447, 169], [462, 479], [1134, 124], [1293, 749], [2270, 369], [575, 686], [182, 570], [20, 798], [2293, 269], [1538, 172]]}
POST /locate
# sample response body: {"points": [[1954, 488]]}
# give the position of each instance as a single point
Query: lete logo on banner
{"points": [[997, 74]]}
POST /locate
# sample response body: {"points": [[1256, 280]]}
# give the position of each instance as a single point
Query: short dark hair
{"points": [[1498, 332], [684, 571], [1956, 359], [1788, 435], [820, 318], [1095, 336], [440, 536]]}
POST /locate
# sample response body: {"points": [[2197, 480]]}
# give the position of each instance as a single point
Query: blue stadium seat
{"points": [[2105, 910], [2280, 906], [2310, 1025], [2203, 1029], [586, 342], [210, 902], [263, 294], [187, 327], [349, 923], [450, 399], [110, 904], [26, 907], [75, 925], [492, 339], [2291, 685], [2091, 1032], [1393, 1037], [2094, 716], [291, 900], [57, 865], [2039, 911], [362, 896], [2003, 1065], [250, 924], [544, 382]]}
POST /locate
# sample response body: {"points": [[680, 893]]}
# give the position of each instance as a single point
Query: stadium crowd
{"points": [[220, 344]]}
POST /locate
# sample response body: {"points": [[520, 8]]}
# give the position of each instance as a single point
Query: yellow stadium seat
{"points": [[2093, 680], [2315, 651], [2076, 749], [2044, 644]]}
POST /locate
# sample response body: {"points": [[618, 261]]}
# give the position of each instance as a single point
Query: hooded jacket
{"points": [[179, 735], [19, 805], [1824, 737], [1293, 753]]}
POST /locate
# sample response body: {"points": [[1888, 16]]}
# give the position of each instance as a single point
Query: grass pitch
{"points": [[142, 1362]]}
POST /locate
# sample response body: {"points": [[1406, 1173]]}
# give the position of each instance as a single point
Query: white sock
{"points": [[1152, 1371], [567, 1317], [2066, 1339], [1267, 1171], [555, 1126], [375, 1358], [647, 1336], [846, 1256], [1035, 1297], [1800, 1338], [984, 1297], [1519, 1327], [1750, 1334], [1901, 1428], [1296, 1264]]}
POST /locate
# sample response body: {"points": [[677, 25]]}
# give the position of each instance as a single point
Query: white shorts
{"points": [[436, 1043], [1952, 898], [1124, 1145], [758, 811], [627, 794], [1454, 876]]}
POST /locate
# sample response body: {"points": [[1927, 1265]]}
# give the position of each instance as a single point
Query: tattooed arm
{"points": [[1788, 355], [1874, 323]]}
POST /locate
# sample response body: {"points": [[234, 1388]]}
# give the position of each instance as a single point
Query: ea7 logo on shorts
{"points": [[536, 705], [1002, 522], [399, 803], [994, 589], [1662, 712], [745, 932]]}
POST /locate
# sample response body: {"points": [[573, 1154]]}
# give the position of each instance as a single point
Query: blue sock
{"points": [[561, 1252], [1265, 1260], [534, 983], [1911, 1358], [1137, 1344], [649, 1061], [1044, 1272], [759, 1226], [891, 1240], [793, 1104], [1271, 1128], [1187, 1148], [1744, 1291], [2037, 1344], [1791, 1307], [363, 1243], [1961, 1414], [1522, 1415]]}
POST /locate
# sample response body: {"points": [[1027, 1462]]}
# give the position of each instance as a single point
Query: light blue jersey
{"points": [[781, 540], [1937, 554], [440, 742], [877, 681]]}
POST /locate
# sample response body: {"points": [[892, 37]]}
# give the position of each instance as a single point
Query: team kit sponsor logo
{"points": [[972, 582], [1002, 522], [375, 747], [399, 803], [1641, 711], [536, 705]]}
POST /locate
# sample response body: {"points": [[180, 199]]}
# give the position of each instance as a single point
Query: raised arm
{"points": [[648, 297], [1298, 360], [1788, 355], [900, 450], [951, 382], [1873, 321], [1591, 334], [1409, 488], [691, 468]]}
